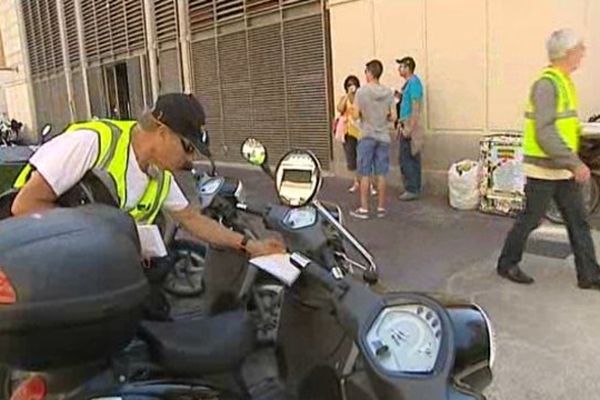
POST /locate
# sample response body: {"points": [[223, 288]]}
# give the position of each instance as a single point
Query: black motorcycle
{"points": [[337, 337], [590, 155]]}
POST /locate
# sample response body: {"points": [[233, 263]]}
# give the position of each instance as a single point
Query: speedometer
{"points": [[406, 338], [298, 218]]}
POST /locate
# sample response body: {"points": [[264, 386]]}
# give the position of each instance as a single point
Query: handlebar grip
{"points": [[255, 209], [322, 275], [328, 258]]}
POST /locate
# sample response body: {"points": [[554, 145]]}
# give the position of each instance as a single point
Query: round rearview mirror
{"points": [[46, 130], [298, 178], [254, 152]]}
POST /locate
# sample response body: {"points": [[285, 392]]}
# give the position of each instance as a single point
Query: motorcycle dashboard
{"points": [[300, 218], [406, 339]]}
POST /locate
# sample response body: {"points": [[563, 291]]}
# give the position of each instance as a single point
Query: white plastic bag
{"points": [[463, 185]]}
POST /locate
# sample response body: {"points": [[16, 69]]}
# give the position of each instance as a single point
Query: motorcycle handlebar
{"points": [[324, 276], [253, 208]]}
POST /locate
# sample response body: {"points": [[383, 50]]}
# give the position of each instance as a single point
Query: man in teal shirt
{"points": [[410, 129]]}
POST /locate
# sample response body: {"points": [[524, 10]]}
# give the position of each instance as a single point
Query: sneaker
{"points": [[381, 212], [373, 191], [360, 213], [408, 196], [353, 188]]}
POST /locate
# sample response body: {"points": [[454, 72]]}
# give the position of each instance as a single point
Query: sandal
{"points": [[381, 212], [360, 213]]}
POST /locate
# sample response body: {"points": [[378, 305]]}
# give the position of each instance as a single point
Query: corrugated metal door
{"points": [[134, 79], [79, 95], [43, 43], [97, 93], [260, 67], [169, 63]]}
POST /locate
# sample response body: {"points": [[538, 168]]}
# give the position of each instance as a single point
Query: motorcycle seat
{"points": [[201, 346]]}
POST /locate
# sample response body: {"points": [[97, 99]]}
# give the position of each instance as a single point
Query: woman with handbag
{"points": [[346, 128]]}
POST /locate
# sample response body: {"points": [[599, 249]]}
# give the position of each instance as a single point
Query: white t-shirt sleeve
{"points": [[176, 200], [64, 160]]}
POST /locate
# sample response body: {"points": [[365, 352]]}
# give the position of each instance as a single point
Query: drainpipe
{"points": [[152, 46], [27, 68], [83, 58], [184, 44], [62, 28]]}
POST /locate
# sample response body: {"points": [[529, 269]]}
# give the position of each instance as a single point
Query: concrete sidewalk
{"points": [[547, 333]]}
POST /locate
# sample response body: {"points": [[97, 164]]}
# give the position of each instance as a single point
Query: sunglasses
{"points": [[187, 146]]}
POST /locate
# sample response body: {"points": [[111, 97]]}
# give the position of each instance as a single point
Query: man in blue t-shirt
{"points": [[410, 129]]}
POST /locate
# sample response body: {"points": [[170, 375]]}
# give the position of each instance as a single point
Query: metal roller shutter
{"points": [[165, 14], [71, 30], [40, 94], [266, 81], [112, 28], [134, 79], [235, 92], [308, 115], [269, 121], [207, 88], [168, 71], [97, 95], [59, 102], [79, 95]]}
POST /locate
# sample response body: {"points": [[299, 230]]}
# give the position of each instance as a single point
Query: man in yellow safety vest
{"points": [[140, 158], [554, 171]]}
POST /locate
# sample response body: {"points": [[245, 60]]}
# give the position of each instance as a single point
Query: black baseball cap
{"points": [[407, 61], [185, 116]]}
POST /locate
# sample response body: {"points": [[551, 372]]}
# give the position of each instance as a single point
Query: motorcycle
{"points": [[590, 155], [10, 132], [337, 337], [179, 274]]}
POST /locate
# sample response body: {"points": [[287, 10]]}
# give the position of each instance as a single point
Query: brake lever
{"points": [[351, 262]]}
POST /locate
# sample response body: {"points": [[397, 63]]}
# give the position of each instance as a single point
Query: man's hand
{"points": [[582, 173], [257, 248]]}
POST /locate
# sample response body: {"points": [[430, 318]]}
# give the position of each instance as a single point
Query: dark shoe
{"points": [[408, 196], [515, 274], [589, 285]]}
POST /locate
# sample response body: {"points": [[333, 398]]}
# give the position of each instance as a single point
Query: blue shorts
{"points": [[373, 157]]}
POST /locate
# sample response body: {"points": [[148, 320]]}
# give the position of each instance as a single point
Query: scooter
{"points": [[337, 338], [590, 155]]}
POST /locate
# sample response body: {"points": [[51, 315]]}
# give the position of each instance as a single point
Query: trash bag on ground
{"points": [[463, 185]]}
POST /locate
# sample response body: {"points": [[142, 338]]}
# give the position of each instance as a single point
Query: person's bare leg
{"points": [[364, 192], [381, 192]]}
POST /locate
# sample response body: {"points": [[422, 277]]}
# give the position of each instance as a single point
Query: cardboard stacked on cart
{"points": [[502, 180]]}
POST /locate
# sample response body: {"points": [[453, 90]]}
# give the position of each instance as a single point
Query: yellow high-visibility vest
{"points": [[114, 138], [567, 122]]}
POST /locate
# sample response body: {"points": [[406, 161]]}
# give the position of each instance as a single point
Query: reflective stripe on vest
{"points": [[114, 138], [567, 122]]}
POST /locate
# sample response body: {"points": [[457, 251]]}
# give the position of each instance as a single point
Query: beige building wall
{"points": [[477, 60], [14, 84]]}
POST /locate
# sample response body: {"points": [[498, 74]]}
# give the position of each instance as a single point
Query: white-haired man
{"points": [[554, 171]]}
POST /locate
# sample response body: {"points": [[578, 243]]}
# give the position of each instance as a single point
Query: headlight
{"points": [[406, 338]]}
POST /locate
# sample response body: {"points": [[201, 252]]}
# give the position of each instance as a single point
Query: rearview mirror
{"points": [[298, 178], [254, 152]]}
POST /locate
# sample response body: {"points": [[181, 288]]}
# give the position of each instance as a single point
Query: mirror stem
{"points": [[351, 238]]}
